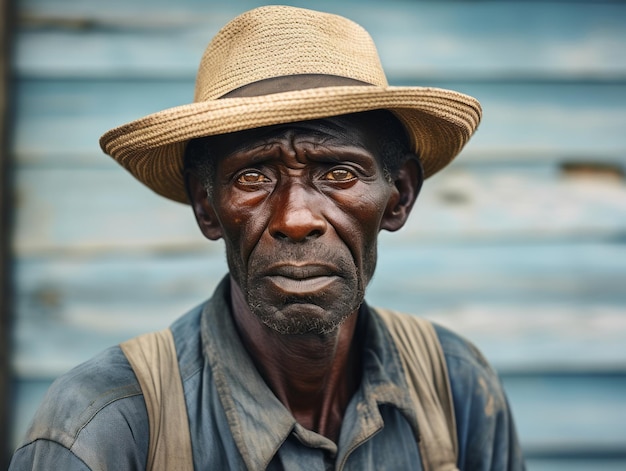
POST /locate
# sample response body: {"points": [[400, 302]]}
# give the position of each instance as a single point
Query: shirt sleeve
{"points": [[41, 455], [92, 418], [485, 427]]}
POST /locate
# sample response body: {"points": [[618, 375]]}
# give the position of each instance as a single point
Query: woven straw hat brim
{"points": [[439, 123]]}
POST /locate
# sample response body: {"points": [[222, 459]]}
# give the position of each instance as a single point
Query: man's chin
{"points": [[303, 319]]}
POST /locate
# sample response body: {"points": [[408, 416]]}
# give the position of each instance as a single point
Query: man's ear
{"points": [[202, 208], [407, 183]]}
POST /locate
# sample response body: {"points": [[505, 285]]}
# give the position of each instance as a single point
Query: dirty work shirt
{"points": [[94, 417]]}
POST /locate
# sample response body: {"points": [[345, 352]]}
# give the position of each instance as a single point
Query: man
{"points": [[296, 153]]}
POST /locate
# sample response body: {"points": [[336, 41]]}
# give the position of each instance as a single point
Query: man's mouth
{"points": [[302, 279]]}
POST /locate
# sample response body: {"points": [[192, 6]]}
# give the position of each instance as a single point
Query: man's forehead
{"points": [[347, 130]]}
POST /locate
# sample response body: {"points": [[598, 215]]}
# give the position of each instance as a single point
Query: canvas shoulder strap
{"points": [[427, 376], [154, 361]]}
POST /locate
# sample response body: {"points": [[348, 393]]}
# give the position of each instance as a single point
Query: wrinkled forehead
{"points": [[367, 130]]}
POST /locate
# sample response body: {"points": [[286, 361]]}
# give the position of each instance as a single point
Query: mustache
{"points": [[303, 261]]}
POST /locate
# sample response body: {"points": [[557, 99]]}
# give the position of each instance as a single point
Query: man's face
{"points": [[299, 207]]}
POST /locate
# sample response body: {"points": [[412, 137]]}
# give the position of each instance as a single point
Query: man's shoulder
{"points": [[92, 417], [95, 414], [458, 348], [468, 369], [454, 346], [479, 398], [485, 427], [100, 385], [465, 363], [76, 398]]}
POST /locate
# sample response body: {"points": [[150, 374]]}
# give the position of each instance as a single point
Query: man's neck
{"points": [[314, 376]]}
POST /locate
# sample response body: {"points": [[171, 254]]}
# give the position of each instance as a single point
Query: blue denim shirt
{"points": [[94, 417]]}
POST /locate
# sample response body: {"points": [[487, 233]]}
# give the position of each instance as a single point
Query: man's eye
{"points": [[340, 175], [252, 177]]}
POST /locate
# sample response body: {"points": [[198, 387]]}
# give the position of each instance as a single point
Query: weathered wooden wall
{"points": [[520, 245], [6, 291]]}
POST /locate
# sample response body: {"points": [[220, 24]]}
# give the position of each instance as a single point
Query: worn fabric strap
{"points": [[153, 359], [427, 376]]}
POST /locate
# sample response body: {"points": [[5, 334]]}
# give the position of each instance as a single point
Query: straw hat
{"points": [[271, 44]]}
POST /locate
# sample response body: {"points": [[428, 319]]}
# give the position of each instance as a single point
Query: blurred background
{"points": [[520, 245]]}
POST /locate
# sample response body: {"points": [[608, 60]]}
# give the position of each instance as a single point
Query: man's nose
{"points": [[297, 214]]}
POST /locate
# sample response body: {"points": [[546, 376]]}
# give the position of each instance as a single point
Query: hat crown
{"points": [[276, 41]]}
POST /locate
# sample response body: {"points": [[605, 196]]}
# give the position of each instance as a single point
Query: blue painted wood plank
{"points": [[569, 412], [59, 122], [54, 213], [577, 464], [441, 39]]}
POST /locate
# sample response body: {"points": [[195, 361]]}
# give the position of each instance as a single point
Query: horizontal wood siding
{"points": [[6, 217], [520, 245], [419, 39]]}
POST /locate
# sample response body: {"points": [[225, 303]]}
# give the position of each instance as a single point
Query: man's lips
{"points": [[302, 279], [301, 271]]}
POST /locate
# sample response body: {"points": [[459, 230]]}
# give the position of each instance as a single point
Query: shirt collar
{"points": [[259, 422]]}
